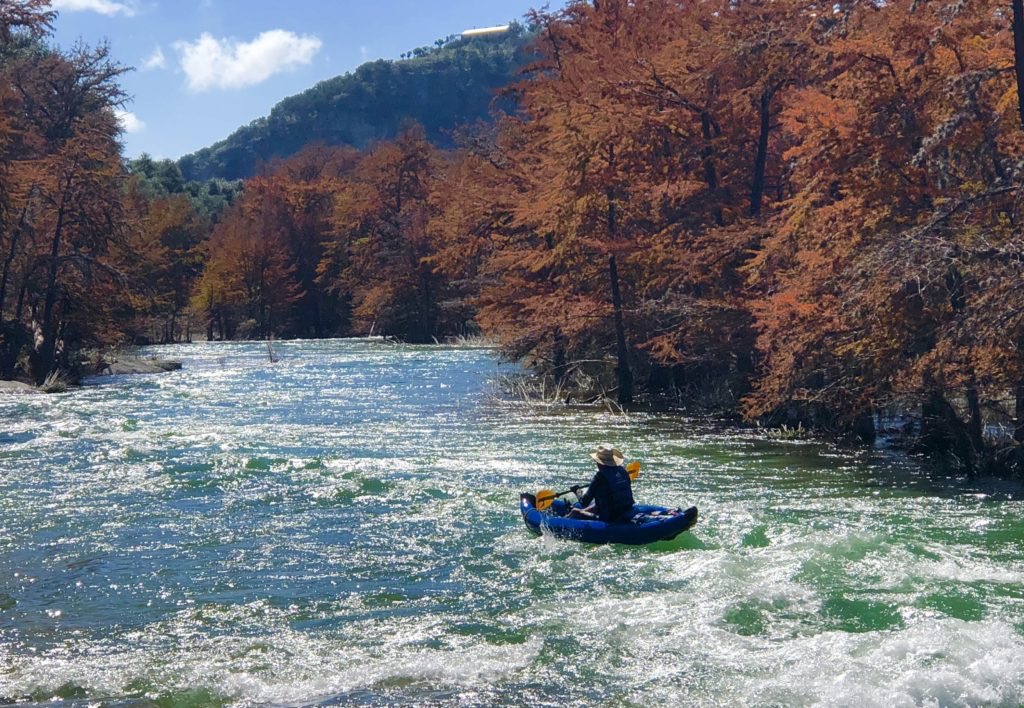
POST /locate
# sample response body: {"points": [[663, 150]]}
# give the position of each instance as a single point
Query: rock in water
{"points": [[131, 365], [16, 387]]}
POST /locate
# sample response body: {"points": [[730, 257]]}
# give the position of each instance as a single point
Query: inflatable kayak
{"points": [[645, 524]]}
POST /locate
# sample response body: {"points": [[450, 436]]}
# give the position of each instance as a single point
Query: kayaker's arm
{"points": [[588, 497]]}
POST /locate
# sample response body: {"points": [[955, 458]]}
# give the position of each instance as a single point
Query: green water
{"points": [[342, 527]]}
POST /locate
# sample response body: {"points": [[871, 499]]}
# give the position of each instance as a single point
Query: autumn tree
{"points": [[248, 287], [69, 100], [23, 23], [641, 149], [711, 88], [62, 182], [1018, 55], [305, 186], [573, 153], [881, 270], [382, 217], [163, 254]]}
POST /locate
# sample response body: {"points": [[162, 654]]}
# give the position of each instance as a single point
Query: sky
{"points": [[203, 68]]}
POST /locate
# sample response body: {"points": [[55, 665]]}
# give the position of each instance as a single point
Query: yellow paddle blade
{"points": [[544, 498], [634, 469]]}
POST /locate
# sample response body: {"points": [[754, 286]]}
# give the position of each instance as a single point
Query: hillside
{"points": [[440, 87]]}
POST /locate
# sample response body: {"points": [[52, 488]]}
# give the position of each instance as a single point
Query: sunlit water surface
{"points": [[341, 527]]}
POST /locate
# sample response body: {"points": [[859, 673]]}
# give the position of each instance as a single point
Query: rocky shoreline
{"points": [[107, 366], [17, 388]]}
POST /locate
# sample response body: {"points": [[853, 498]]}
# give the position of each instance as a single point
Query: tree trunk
{"points": [[20, 307], [45, 355], [6, 273], [426, 306], [1018, 431], [1018, 408], [15, 237], [709, 132], [943, 433], [559, 365], [622, 370], [974, 423], [761, 158], [1018, 54], [863, 427]]}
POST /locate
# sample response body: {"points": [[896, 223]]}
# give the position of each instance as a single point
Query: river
{"points": [[341, 527]]}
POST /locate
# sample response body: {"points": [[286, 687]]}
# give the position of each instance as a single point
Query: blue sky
{"points": [[206, 67]]}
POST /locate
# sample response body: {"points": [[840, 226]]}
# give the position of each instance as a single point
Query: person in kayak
{"points": [[609, 496]]}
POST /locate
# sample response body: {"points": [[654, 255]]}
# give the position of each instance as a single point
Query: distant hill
{"points": [[441, 87]]}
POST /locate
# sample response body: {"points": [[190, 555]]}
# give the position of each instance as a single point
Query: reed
{"points": [[57, 381]]}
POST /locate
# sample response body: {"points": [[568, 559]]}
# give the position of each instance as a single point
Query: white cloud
{"points": [[104, 7], [156, 60], [130, 122], [227, 64]]}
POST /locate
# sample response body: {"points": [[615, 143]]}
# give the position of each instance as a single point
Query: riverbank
{"points": [[17, 388], [103, 365]]}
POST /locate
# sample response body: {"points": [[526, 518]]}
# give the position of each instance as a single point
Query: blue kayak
{"points": [[645, 524]]}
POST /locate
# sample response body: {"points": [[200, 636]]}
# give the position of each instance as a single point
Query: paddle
{"points": [[545, 497]]}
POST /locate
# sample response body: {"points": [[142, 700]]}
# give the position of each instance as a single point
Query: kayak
{"points": [[645, 524]]}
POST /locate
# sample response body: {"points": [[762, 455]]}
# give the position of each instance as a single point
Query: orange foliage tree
{"points": [[62, 196], [578, 213], [261, 277], [470, 220], [707, 90], [888, 276], [163, 253], [638, 168], [384, 249], [248, 288], [306, 185]]}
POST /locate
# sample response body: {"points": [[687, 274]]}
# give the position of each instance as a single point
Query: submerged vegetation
{"points": [[800, 213]]}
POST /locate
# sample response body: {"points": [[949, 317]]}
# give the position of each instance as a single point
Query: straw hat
{"points": [[608, 455]]}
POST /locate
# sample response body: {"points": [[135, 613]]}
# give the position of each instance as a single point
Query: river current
{"points": [[342, 527]]}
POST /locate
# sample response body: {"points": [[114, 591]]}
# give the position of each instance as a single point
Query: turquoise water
{"points": [[342, 527]]}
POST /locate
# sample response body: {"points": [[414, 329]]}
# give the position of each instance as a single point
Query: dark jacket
{"points": [[612, 489]]}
